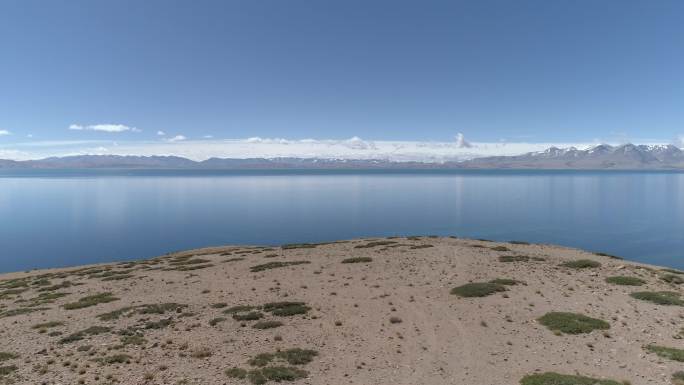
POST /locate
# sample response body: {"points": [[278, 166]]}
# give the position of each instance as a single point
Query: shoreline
{"points": [[393, 310]]}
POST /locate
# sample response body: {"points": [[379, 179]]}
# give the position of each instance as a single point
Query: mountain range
{"points": [[600, 157]]}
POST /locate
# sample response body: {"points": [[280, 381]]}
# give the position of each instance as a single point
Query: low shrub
{"points": [[572, 323], [267, 324], [91, 300], [627, 281], [357, 260], [581, 264], [551, 378], [275, 265], [665, 352], [478, 289], [659, 297]]}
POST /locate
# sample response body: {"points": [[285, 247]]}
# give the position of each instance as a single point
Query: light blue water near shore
{"points": [[59, 218]]}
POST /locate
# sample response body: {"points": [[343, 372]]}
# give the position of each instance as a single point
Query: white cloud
{"points": [[103, 128], [679, 141], [461, 142], [208, 136], [161, 133], [177, 138], [4, 132], [29, 135]]}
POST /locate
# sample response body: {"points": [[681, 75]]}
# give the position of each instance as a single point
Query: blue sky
{"points": [[519, 71]]}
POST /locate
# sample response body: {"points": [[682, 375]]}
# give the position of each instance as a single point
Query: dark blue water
{"points": [[58, 218]]}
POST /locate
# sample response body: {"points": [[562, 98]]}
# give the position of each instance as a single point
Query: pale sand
{"points": [[442, 339]]}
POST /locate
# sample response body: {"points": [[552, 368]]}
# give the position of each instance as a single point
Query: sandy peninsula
{"points": [[414, 310]]}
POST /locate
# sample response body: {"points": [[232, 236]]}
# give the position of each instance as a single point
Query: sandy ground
{"points": [[436, 337]]}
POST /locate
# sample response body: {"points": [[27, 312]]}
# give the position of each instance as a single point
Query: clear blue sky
{"points": [[404, 70]]}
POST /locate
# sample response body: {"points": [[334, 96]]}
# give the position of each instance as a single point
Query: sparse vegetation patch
{"points": [[251, 316], [375, 244], [267, 324], [91, 331], [4, 356], [298, 246], [626, 281], [672, 278], [550, 378], [581, 264], [286, 309], [572, 323], [275, 265], [91, 300], [514, 258], [357, 260], [478, 289], [500, 248], [665, 352], [659, 297]]}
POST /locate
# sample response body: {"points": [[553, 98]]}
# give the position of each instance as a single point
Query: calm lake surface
{"points": [[60, 217]]}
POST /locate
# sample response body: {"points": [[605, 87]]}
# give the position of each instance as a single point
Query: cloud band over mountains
{"points": [[256, 147]]}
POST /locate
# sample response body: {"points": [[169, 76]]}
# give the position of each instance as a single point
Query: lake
{"points": [[51, 218]]}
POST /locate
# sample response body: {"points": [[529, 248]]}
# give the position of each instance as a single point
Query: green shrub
{"points": [[357, 260], [267, 324], [251, 316], [280, 373], [375, 244], [239, 309], [418, 247], [286, 309], [297, 356], [678, 378], [563, 379], [514, 258], [47, 325], [299, 246], [115, 359], [275, 265], [188, 261], [91, 331], [672, 278], [478, 289], [581, 264], [262, 359], [500, 248], [665, 352], [505, 281], [161, 308], [627, 281], [4, 356], [133, 340], [216, 321], [21, 311], [91, 300], [659, 297], [236, 373], [572, 323]]}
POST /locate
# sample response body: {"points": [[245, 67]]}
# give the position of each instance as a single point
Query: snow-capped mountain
{"points": [[601, 157], [627, 156]]}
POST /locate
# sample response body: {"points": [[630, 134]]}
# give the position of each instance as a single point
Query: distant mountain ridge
{"points": [[601, 157]]}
